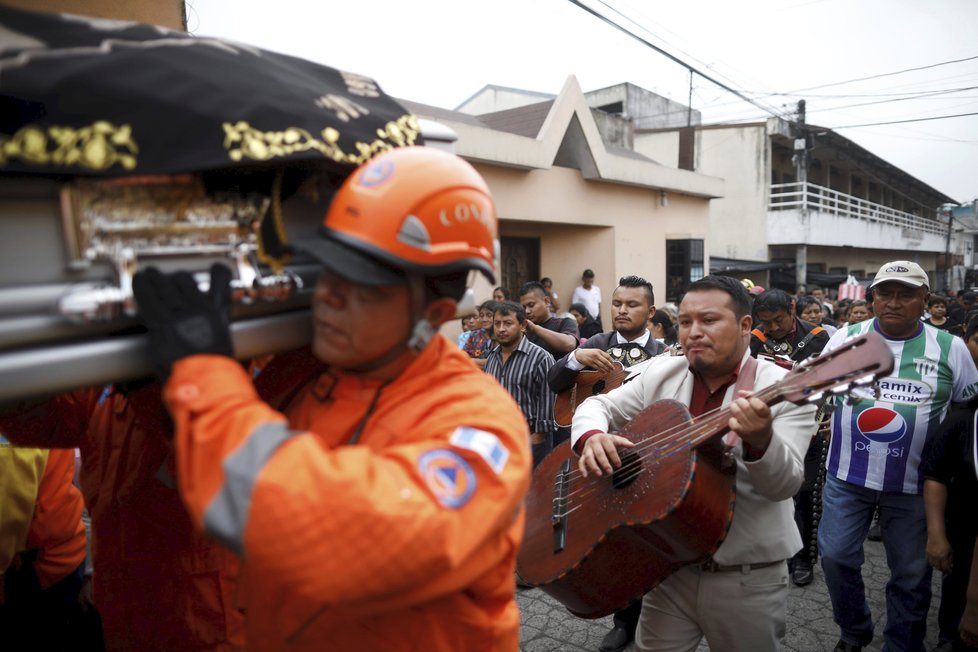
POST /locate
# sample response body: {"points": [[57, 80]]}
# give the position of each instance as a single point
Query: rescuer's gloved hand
{"points": [[181, 319]]}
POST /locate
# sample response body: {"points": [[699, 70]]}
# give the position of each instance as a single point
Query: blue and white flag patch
{"points": [[486, 444]]}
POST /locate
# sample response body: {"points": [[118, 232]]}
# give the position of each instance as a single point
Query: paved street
{"points": [[547, 626]]}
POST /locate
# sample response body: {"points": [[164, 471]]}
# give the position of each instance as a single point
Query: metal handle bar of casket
{"points": [[68, 253]]}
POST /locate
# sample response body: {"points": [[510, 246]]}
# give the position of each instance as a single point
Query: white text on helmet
{"points": [[464, 213]]}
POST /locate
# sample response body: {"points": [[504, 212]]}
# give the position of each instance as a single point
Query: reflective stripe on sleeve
{"points": [[227, 514]]}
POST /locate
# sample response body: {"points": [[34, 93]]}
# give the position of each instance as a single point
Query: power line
{"points": [[846, 96], [673, 58], [898, 122], [886, 74], [660, 38], [923, 95], [897, 99]]}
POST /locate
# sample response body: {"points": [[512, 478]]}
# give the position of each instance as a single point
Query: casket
{"points": [[125, 145]]}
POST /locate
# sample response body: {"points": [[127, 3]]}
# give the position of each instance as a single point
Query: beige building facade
{"points": [[568, 201]]}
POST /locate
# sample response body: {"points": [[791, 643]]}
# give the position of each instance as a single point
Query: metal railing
{"points": [[789, 196]]}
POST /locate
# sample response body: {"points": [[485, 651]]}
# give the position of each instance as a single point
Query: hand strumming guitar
{"points": [[595, 359], [600, 454]]}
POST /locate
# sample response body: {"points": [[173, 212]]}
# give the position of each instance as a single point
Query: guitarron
{"points": [[598, 543]]}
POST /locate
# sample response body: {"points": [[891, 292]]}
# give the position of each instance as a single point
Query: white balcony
{"points": [[810, 214]]}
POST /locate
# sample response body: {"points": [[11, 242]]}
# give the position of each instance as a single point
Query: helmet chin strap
{"points": [[423, 330]]}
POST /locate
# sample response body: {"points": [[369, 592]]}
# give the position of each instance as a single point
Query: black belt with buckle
{"points": [[711, 566]]}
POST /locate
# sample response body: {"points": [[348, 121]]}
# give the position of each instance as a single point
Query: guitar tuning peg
{"points": [[840, 390], [865, 380]]}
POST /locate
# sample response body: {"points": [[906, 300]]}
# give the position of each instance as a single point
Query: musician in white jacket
{"points": [[736, 599]]}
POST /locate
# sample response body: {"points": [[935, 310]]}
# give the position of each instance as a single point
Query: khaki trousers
{"points": [[737, 611]]}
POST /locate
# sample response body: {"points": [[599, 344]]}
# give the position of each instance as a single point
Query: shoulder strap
{"points": [[808, 338], [759, 334], [745, 382], [747, 375]]}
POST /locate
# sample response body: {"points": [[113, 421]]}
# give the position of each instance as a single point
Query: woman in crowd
{"points": [[586, 325], [809, 309]]}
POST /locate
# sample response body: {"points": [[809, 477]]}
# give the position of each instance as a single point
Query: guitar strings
{"points": [[697, 425], [703, 425], [707, 424], [706, 418]]}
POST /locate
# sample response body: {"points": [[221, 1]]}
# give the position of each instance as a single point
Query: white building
{"points": [[848, 212]]}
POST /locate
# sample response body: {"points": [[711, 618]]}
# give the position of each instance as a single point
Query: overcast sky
{"points": [[440, 52]]}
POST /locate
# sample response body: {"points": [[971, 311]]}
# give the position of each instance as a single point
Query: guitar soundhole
{"points": [[631, 466], [598, 387]]}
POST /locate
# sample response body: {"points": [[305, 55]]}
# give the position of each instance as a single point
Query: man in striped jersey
{"points": [[874, 458], [521, 367]]}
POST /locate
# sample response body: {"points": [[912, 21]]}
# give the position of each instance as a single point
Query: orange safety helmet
{"points": [[410, 210]]}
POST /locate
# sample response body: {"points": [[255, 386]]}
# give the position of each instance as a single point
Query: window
{"points": [[684, 264], [616, 108]]}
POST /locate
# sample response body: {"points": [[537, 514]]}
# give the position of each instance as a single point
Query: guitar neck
{"points": [[714, 423]]}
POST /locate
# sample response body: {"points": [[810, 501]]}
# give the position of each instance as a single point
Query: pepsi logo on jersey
{"points": [[881, 425]]}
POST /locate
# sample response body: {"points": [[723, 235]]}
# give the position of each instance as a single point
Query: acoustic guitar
{"points": [[598, 543], [588, 383]]}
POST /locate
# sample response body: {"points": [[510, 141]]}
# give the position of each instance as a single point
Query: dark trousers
{"points": [[48, 619], [954, 590], [808, 501], [543, 449], [627, 618]]}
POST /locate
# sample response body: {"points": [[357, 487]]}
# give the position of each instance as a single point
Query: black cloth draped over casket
{"points": [[91, 97]]}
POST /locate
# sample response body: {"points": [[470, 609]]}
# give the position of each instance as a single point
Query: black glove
{"points": [[181, 319]]}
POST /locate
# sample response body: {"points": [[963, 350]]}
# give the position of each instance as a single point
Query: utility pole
{"points": [[801, 169], [947, 250]]}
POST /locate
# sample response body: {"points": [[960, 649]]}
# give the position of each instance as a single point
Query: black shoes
{"points": [[616, 640], [842, 646], [802, 573]]}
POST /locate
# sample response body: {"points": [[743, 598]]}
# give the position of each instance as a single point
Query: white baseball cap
{"points": [[902, 271]]}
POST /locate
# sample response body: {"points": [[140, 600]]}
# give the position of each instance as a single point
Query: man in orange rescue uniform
{"points": [[159, 584], [382, 511]]}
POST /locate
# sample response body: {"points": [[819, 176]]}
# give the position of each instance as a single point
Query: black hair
{"points": [[533, 286], [588, 273], [936, 298], [804, 302], [773, 301], [739, 299], [972, 326], [510, 308], [580, 308], [487, 305], [505, 291], [545, 280], [660, 318], [638, 282]]}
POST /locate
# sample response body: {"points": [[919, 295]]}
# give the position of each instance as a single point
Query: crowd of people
{"points": [[853, 475], [366, 492]]}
